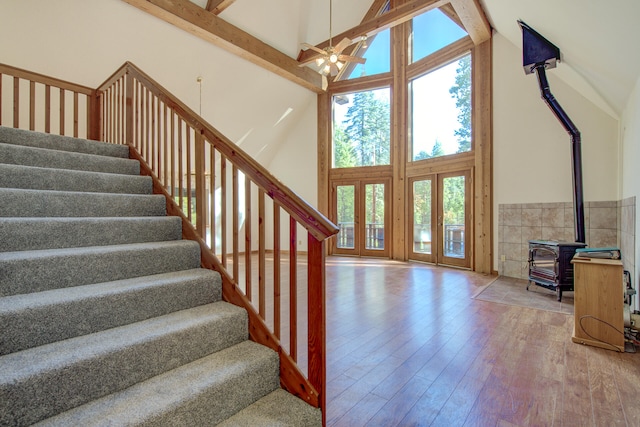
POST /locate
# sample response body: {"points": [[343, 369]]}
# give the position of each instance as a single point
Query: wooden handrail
{"points": [[306, 215], [173, 143]]}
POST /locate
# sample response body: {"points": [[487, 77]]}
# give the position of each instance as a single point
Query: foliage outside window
{"points": [[361, 129], [441, 111]]}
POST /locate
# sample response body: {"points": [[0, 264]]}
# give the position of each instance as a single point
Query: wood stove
{"points": [[550, 261], [550, 264]]}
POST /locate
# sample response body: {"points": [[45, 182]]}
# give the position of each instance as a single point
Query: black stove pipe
{"points": [[576, 157]]}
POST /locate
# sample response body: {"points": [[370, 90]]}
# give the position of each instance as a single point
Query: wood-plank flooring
{"points": [[407, 345]]}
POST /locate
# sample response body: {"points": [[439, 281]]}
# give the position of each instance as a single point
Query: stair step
{"points": [[47, 203], [40, 318], [40, 178], [202, 393], [56, 159], [41, 382], [62, 143], [35, 271], [278, 408], [28, 234]]}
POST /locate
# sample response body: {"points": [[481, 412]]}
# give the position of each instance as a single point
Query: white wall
{"points": [[531, 149], [85, 41], [630, 135]]}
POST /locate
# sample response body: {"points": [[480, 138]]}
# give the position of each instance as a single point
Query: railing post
{"points": [[94, 116], [128, 113], [317, 320]]}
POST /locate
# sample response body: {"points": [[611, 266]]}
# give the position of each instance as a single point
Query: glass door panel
{"points": [[345, 214], [453, 219], [422, 212], [453, 216], [439, 215], [360, 210], [374, 216]]}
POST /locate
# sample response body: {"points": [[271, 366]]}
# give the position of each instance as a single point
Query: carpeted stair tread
{"points": [[277, 409], [35, 271], [202, 393], [41, 178], [56, 159], [41, 382], [62, 143], [30, 320], [27, 234], [47, 203]]}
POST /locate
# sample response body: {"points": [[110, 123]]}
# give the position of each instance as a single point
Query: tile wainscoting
{"points": [[607, 224]]}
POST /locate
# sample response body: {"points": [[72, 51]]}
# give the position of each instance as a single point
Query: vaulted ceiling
{"points": [[213, 20], [597, 41]]}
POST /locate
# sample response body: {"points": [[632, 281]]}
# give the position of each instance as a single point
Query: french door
{"points": [[439, 219], [361, 211]]}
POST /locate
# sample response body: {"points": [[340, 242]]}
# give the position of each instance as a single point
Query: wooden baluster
{"points": [[118, 138], [261, 254], [47, 109], [293, 289], [180, 188], [234, 219], [165, 149], [153, 136], [223, 210], [172, 147], [16, 102], [129, 109], [212, 196], [247, 237], [188, 173], [32, 105], [201, 195], [138, 120], [276, 269], [146, 137], [158, 139], [75, 114], [62, 110], [0, 99]]}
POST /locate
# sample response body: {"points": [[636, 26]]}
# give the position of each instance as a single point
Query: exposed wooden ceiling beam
{"points": [[217, 6], [473, 19], [393, 17], [204, 24]]}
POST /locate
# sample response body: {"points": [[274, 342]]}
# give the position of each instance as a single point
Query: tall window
{"points": [[361, 129], [441, 111]]}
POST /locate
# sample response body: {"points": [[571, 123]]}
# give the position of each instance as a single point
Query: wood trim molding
{"points": [[483, 147]]}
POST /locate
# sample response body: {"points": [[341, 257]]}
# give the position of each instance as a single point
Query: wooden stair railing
{"points": [[69, 109], [248, 224]]}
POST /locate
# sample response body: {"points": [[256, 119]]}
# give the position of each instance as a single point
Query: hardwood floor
{"points": [[409, 346]]}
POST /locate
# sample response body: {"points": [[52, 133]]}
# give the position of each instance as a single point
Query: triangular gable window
{"points": [[431, 32], [378, 55]]}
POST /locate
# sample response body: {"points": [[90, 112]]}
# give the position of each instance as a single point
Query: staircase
{"points": [[106, 317]]}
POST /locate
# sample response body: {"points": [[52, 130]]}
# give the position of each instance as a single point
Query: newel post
{"points": [[128, 108], [317, 320]]}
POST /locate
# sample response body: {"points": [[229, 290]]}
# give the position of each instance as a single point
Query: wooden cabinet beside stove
{"points": [[598, 294]]}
